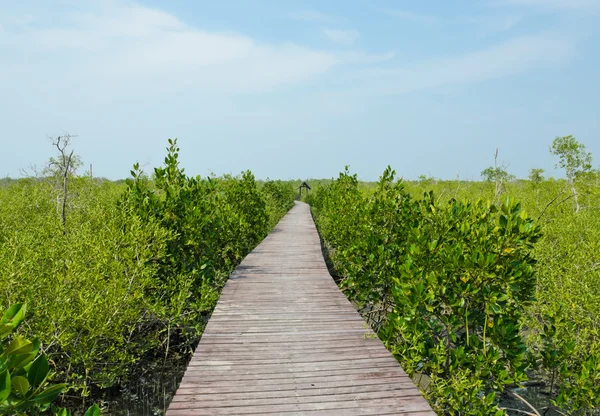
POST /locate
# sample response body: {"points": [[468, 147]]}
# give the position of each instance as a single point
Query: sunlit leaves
{"points": [[23, 386], [138, 268], [436, 281]]}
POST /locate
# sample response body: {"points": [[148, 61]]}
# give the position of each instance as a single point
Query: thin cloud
{"points": [[363, 58], [493, 24], [489, 23], [345, 37], [505, 23], [411, 16], [553, 4], [512, 57], [135, 45]]}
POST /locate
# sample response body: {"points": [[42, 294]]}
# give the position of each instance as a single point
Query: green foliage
{"points": [[279, 196], [341, 200], [536, 175], [24, 371], [567, 291], [576, 161], [426, 179], [212, 223], [496, 174], [459, 298], [136, 270], [381, 226], [84, 283], [574, 157], [563, 324]]}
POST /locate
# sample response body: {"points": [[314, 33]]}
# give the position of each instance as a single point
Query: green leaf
{"points": [[38, 370], [15, 314], [503, 221], [20, 385], [94, 410], [19, 346], [50, 394], [4, 385], [21, 360], [5, 329], [496, 308], [36, 346], [62, 412]]}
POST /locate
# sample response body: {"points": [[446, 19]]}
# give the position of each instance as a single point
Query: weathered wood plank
{"points": [[283, 339]]}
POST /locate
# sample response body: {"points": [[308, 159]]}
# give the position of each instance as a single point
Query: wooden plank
{"points": [[283, 339], [349, 373], [399, 406], [281, 385]]}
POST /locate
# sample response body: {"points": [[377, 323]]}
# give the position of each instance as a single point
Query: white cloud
{"points": [[512, 57], [554, 4], [132, 45], [490, 24], [345, 37], [363, 58], [486, 25], [131, 51]]}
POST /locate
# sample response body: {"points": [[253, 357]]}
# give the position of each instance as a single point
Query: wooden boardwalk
{"points": [[284, 340]]}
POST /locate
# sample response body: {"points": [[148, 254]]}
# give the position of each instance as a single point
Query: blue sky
{"points": [[296, 89]]}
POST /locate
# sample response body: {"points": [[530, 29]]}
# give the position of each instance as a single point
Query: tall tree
{"points": [[497, 174], [63, 168], [574, 159], [536, 175]]}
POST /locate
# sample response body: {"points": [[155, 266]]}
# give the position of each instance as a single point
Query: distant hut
{"points": [[303, 186]]}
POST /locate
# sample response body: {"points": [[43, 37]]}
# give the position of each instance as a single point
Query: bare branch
{"points": [[63, 167], [550, 203], [535, 412], [519, 411]]}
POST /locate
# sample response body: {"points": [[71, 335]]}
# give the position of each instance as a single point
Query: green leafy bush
{"points": [[135, 270], [25, 371], [279, 197], [212, 224], [560, 327], [444, 284], [84, 284]]}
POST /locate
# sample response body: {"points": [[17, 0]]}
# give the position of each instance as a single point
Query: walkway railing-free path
{"points": [[284, 340]]}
